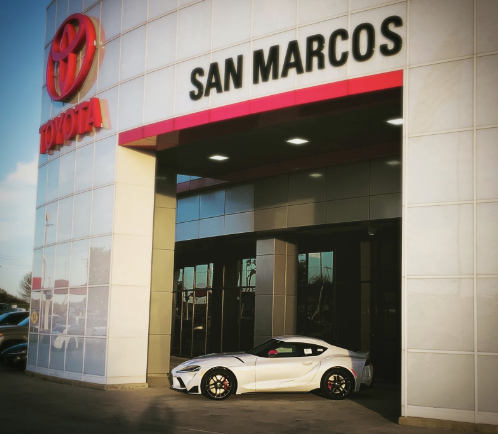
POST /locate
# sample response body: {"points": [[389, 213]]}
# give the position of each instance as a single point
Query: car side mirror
{"points": [[272, 353]]}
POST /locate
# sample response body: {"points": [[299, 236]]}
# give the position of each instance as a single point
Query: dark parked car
{"points": [[11, 335], [13, 318], [15, 356], [4, 307]]}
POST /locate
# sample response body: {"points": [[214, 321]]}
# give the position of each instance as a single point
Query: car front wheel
{"points": [[337, 384], [218, 384]]}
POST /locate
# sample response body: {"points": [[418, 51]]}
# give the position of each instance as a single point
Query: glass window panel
{"points": [[201, 274], [84, 168], [314, 272], [51, 222], [76, 311], [200, 321], [32, 349], [66, 181], [302, 269], [79, 263], [53, 180], [65, 219], [36, 282], [59, 311], [247, 303], [176, 326], [62, 255], [102, 210], [46, 312], [74, 354], [188, 279], [43, 157], [34, 323], [179, 284], [327, 267], [81, 214], [187, 313], [100, 260], [41, 188], [105, 160], [40, 227], [95, 352], [182, 178], [56, 354], [210, 275], [48, 262], [98, 302], [248, 272], [43, 351]]}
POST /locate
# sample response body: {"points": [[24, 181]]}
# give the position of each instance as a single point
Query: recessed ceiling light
{"points": [[393, 162], [218, 157], [398, 121], [316, 175], [297, 141]]}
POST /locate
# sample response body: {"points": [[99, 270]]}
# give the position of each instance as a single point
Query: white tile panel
{"points": [[440, 314], [440, 97], [160, 7], [111, 19], [109, 69], [50, 23], [329, 73], [273, 16], [231, 22], [127, 357], [46, 107], [364, 4], [487, 318], [378, 62], [426, 370], [95, 13], [487, 91], [184, 104], [61, 15], [440, 30], [133, 53], [486, 29], [440, 240], [161, 42], [318, 10], [75, 6], [487, 383], [194, 30], [159, 95], [440, 168], [487, 162], [131, 96], [131, 269], [109, 104], [134, 14], [487, 238]]}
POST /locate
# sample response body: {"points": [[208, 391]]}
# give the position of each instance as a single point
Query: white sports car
{"points": [[282, 364]]}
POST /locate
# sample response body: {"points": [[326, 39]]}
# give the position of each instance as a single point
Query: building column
{"points": [[276, 289], [161, 289]]}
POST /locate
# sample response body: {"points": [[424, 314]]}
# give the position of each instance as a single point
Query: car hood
{"points": [[228, 359]]}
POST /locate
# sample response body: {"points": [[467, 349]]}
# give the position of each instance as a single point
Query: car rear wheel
{"points": [[218, 384], [337, 384]]}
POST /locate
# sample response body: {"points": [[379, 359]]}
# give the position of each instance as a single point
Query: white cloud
{"points": [[17, 223]]}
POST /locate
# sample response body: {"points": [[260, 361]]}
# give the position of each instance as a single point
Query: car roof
{"points": [[302, 339]]}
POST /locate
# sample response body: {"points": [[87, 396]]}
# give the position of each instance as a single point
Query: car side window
{"points": [[310, 350], [286, 349], [12, 319]]}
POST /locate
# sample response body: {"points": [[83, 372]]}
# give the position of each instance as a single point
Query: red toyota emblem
{"points": [[76, 33]]}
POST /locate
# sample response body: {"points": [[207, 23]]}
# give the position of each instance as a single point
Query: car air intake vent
{"points": [[182, 384]]}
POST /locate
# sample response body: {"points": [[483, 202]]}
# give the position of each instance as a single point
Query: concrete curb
{"points": [[447, 424]]}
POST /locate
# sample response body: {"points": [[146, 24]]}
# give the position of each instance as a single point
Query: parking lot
{"points": [[29, 405]]}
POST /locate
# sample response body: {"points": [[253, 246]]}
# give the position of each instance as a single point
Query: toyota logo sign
{"points": [[76, 36]]}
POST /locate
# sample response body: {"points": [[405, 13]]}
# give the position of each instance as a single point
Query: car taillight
{"points": [[354, 373]]}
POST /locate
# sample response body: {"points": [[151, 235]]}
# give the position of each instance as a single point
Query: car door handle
{"points": [[307, 363]]}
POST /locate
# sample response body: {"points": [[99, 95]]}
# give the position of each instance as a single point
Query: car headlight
{"points": [[190, 368]]}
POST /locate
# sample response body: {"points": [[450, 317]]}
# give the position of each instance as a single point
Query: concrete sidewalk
{"points": [[31, 405]]}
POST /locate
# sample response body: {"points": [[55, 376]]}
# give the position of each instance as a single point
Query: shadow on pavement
{"points": [[383, 400]]}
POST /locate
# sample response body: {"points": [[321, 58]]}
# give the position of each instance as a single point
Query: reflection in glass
{"points": [[100, 260], [66, 180], [200, 321], [84, 168], [48, 262], [79, 263], [320, 267], [96, 317], [53, 180], [201, 276], [46, 311], [95, 350], [59, 312], [105, 160], [302, 269], [314, 273], [247, 276], [188, 278], [62, 255], [40, 227], [81, 214], [32, 349], [51, 222], [76, 311], [36, 282], [327, 267], [43, 159], [34, 322], [43, 351], [65, 219], [56, 354], [41, 193], [187, 329], [102, 210], [74, 354], [247, 311]]}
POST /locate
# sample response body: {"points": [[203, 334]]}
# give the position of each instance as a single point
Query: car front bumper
{"points": [[186, 381]]}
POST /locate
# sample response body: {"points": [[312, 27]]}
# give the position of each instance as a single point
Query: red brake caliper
{"points": [[225, 384], [330, 384]]}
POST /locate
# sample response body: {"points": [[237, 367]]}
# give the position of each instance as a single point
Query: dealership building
{"points": [[214, 173]]}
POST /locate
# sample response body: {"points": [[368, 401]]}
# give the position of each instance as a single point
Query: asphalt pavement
{"points": [[32, 405]]}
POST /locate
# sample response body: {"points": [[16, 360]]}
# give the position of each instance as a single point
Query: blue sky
{"points": [[22, 29]]}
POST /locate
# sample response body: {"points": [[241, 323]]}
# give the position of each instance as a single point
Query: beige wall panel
{"points": [[308, 214], [487, 366], [129, 302], [162, 264], [487, 162], [486, 29], [164, 228], [487, 315], [159, 353], [272, 218], [160, 313], [487, 238], [133, 209], [131, 259], [487, 92], [127, 357], [135, 167]]}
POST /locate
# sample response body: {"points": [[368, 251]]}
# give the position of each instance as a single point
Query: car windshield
{"points": [[13, 318], [262, 349]]}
